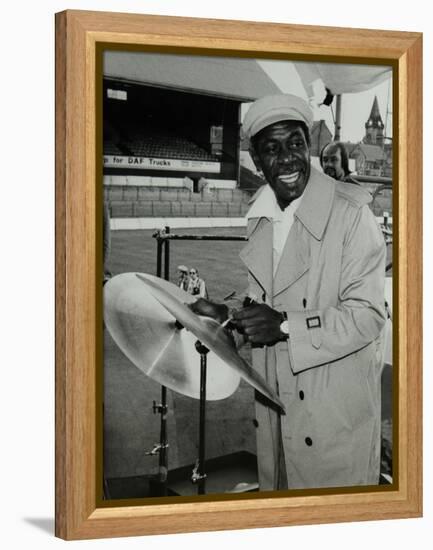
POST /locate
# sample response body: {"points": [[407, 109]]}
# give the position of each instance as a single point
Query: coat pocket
{"points": [[353, 398]]}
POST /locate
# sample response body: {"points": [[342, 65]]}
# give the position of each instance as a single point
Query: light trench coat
{"points": [[330, 282]]}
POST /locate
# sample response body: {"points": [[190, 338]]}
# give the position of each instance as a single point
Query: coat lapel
{"points": [[310, 220], [257, 254], [315, 207], [295, 259]]}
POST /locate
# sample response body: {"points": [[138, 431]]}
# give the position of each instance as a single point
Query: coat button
{"points": [[308, 441], [301, 395]]}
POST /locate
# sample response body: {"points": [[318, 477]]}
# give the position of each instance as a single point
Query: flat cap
{"points": [[182, 268], [275, 108]]}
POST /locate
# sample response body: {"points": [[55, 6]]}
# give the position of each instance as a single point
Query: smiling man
{"points": [[316, 263], [282, 152]]}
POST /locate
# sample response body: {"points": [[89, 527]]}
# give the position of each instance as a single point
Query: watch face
{"points": [[284, 327]]}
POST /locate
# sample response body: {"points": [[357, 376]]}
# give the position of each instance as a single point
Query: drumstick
{"points": [[248, 301], [227, 321]]}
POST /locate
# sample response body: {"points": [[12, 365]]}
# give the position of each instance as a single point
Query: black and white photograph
{"points": [[248, 275]]}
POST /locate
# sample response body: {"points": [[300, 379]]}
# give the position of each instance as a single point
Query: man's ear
{"points": [[255, 157]]}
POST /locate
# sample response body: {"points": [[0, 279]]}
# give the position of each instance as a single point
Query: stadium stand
{"points": [[144, 209], [167, 146], [153, 142], [138, 201], [130, 193], [162, 209], [147, 193], [111, 148], [174, 194], [157, 208], [121, 209], [187, 208], [237, 210], [113, 193]]}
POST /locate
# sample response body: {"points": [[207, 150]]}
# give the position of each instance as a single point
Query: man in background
{"points": [[196, 285], [334, 161], [182, 277]]}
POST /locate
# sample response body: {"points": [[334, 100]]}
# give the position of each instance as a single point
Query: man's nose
{"points": [[285, 155]]}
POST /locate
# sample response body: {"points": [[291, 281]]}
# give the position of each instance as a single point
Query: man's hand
{"points": [[210, 309], [260, 324]]}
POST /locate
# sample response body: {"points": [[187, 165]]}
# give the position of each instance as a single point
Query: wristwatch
{"points": [[284, 326]]}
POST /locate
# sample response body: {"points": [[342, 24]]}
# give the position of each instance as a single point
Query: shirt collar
{"points": [[266, 205]]}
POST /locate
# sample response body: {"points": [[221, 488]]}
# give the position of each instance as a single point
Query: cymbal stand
{"points": [[163, 238], [163, 244], [198, 474]]}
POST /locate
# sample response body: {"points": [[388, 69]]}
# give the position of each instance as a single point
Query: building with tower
{"points": [[373, 156], [374, 127]]}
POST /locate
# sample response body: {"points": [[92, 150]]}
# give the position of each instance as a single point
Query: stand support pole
{"points": [[199, 475]]}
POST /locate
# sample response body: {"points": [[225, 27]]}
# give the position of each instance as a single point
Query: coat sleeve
{"points": [[318, 337]]}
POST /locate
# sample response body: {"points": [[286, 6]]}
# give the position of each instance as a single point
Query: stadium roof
{"points": [[231, 78]]}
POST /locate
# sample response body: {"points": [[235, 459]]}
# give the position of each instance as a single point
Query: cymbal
{"points": [[210, 333], [146, 333]]}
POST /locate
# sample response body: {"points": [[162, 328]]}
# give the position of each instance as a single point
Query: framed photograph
{"points": [[238, 274]]}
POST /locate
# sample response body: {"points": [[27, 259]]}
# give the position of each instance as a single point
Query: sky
{"points": [[356, 107]]}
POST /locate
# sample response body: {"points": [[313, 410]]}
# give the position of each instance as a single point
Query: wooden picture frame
{"points": [[79, 512]]}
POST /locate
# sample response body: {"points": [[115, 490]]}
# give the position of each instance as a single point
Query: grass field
{"points": [[130, 428], [218, 262]]}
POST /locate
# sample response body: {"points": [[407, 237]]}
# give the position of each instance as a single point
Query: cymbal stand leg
{"points": [[159, 245], [167, 255], [161, 449], [199, 475], [163, 455]]}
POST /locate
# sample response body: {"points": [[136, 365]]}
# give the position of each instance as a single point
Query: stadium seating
{"points": [[240, 196], [176, 209], [129, 201], [122, 209], [162, 209], [144, 209], [224, 194], [203, 209], [220, 209], [149, 193], [110, 148], [187, 208], [236, 209], [169, 194], [130, 193], [195, 197], [113, 192], [157, 143]]}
